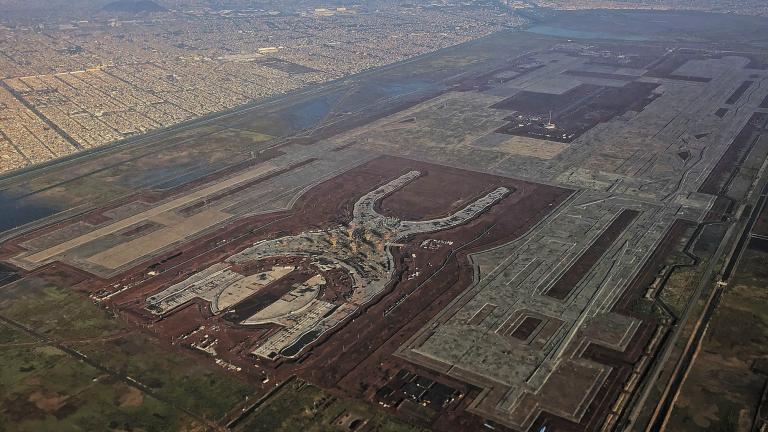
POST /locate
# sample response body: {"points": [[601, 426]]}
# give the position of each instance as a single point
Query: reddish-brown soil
{"points": [[435, 195], [565, 284], [356, 359]]}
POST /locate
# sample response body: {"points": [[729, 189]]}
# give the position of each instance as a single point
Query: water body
{"points": [[401, 88], [311, 112], [304, 340], [183, 179], [578, 34], [308, 114], [17, 212], [167, 177]]}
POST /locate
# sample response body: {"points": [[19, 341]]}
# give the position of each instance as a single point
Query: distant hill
{"points": [[133, 6]]}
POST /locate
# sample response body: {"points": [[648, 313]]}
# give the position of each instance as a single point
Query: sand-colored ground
{"points": [[241, 289], [530, 147], [116, 226], [129, 251]]}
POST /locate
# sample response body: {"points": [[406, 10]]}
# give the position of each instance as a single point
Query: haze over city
{"points": [[494, 215]]}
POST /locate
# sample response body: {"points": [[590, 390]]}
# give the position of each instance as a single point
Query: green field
{"points": [[44, 388], [724, 386], [298, 406]]}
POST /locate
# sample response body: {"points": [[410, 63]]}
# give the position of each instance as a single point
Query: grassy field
{"points": [[44, 388], [298, 406], [722, 390]]}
